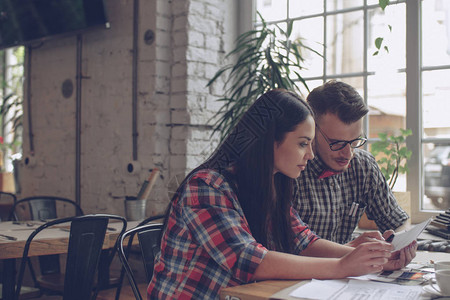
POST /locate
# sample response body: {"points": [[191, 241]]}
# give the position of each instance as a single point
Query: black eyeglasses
{"points": [[338, 145]]}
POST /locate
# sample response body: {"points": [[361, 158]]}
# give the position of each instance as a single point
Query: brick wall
{"points": [[173, 103]]}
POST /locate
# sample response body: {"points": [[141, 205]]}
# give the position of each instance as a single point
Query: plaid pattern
{"points": [[324, 204], [207, 244]]}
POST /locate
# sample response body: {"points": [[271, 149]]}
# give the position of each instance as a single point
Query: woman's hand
{"points": [[368, 236], [369, 257], [401, 258]]}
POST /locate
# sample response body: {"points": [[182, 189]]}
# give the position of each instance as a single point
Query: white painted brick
{"points": [[179, 54], [178, 147], [180, 132], [196, 39], [163, 7], [198, 85], [179, 85], [178, 101], [197, 8], [180, 23], [213, 43], [180, 117], [214, 12], [177, 162], [201, 55], [180, 39], [180, 7], [201, 24], [173, 73], [162, 39]]}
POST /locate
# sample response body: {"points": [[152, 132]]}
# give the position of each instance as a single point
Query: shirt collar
{"points": [[319, 169]]}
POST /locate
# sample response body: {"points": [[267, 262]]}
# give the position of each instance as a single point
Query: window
{"points": [[11, 62], [405, 86]]}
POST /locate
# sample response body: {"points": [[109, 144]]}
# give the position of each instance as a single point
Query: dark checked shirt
{"points": [[207, 244], [325, 204]]}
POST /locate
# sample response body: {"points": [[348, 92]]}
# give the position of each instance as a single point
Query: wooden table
{"points": [[49, 241], [265, 289]]}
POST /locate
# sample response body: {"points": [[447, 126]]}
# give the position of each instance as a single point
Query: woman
{"points": [[231, 221]]}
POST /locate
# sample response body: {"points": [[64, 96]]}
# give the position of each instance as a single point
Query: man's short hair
{"points": [[338, 98]]}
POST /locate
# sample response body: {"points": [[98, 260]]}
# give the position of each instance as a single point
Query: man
{"points": [[342, 181]]}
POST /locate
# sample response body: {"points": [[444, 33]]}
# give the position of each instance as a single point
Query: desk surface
{"points": [[265, 289], [49, 241]]}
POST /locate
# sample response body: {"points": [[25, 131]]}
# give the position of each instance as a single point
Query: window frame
{"points": [[413, 71]]}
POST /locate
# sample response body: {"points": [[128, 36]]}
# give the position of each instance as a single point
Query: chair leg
{"points": [[33, 274], [119, 285]]}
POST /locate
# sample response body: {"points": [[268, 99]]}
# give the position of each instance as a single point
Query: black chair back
{"points": [[7, 201], [43, 208], [149, 240], [148, 236], [86, 239], [148, 268]]}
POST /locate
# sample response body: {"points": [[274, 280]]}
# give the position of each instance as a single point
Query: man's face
{"points": [[335, 130]]}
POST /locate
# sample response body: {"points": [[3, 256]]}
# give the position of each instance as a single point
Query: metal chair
{"points": [[42, 208], [108, 293], [86, 239], [7, 201], [149, 240]]}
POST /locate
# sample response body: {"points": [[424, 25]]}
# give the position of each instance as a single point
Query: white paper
{"points": [[356, 289], [404, 238], [369, 290], [319, 289]]}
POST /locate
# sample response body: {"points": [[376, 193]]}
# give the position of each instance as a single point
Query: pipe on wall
{"points": [[134, 88], [78, 120], [28, 83]]}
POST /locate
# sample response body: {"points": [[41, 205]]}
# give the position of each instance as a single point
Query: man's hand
{"points": [[401, 258]]}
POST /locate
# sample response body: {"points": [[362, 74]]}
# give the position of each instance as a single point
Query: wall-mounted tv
{"points": [[23, 22]]}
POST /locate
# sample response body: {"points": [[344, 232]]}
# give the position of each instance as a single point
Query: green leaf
{"points": [[383, 3], [378, 42]]}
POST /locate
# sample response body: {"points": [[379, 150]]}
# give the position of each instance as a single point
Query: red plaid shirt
{"points": [[207, 244]]}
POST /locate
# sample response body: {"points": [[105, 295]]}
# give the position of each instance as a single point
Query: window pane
{"points": [[345, 43], [336, 5], [435, 32], [272, 10], [310, 31], [301, 8], [436, 103], [437, 176], [387, 103], [394, 57], [312, 84]]}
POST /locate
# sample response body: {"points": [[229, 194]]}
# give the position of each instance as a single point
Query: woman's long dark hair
{"points": [[265, 198]]}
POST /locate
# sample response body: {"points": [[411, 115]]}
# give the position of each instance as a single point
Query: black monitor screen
{"points": [[26, 21]]}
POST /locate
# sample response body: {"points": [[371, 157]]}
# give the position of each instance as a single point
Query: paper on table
{"points": [[404, 238], [360, 289], [319, 289], [355, 289]]}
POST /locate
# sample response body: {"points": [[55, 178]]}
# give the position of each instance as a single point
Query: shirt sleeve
{"points": [[382, 207], [303, 236], [214, 218]]}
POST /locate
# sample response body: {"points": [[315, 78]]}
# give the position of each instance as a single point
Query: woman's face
{"points": [[293, 153]]}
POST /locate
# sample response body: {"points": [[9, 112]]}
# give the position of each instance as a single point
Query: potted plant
{"points": [[392, 156], [265, 58]]}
